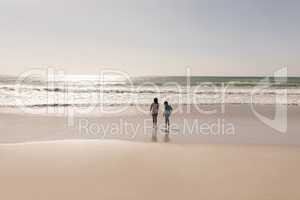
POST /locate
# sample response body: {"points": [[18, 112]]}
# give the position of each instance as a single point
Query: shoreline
{"points": [[171, 145]]}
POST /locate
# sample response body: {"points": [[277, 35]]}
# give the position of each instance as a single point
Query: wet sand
{"points": [[236, 125]]}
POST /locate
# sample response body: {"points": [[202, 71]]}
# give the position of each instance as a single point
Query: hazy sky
{"points": [[157, 37]]}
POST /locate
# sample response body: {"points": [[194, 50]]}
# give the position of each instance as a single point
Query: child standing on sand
{"points": [[167, 113], [154, 110]]}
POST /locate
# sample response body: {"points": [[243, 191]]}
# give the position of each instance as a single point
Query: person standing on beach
{"points": [[167, 113], [154, 110]]}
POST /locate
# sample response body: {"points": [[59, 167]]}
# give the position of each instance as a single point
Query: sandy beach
{"points": [[125, 170], [42, 158]]}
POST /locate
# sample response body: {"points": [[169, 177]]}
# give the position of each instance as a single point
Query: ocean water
{"points": [[117, 90]]}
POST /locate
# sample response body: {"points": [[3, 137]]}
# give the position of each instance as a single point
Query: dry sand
{"points": [[125, 170]]}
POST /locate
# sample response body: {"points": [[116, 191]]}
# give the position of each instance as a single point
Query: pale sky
{"points": [[157, 37]]}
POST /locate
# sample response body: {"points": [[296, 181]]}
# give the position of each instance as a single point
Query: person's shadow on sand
{"points": [[154, 135], [167, 138]]}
